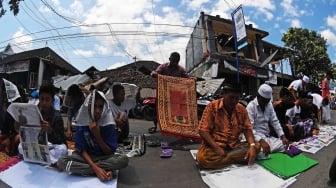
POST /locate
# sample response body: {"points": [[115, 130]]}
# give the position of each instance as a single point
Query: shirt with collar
{"points": [[293, 114], [296, 85], [261, 120], [225, 130]]}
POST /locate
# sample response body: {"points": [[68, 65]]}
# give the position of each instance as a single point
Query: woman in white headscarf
{"points": [[95, 141]]}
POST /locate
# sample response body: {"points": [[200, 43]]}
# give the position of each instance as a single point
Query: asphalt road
{"points": [[180, 170]]}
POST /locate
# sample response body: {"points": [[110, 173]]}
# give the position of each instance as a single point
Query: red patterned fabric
{"points": [[177, 106], [6, 161]]}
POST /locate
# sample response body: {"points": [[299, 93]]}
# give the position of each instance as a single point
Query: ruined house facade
{"points": [[211, 54]]}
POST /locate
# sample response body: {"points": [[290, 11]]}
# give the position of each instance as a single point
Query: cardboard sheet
{"points": [[33, 175]]}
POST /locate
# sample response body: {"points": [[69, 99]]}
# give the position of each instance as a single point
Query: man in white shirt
{"points": [[317, 100], [120, 108], [262, 114], [297, 85], [323, 108]]}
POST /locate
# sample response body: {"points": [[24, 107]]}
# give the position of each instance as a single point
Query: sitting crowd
{"points": [[230, 132], [98, 128]]}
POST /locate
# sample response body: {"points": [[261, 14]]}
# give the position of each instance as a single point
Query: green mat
{"points": [[285, 166]]}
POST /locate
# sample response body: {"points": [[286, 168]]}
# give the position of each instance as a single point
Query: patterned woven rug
{"points": [[7, 161], [177, 106]]}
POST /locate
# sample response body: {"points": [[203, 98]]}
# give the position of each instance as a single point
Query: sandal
{"points": [[164, 145], [152, 130], [166, 153]]}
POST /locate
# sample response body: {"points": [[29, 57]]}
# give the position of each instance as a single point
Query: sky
{"points": [[109, 34]]}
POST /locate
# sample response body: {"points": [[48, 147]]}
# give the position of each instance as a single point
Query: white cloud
{"points": [[295, 23], [74, 9], [77, 8], [194, 4], [225, 8], [248, 22], [116, 65], [330, 36], [289, 9], [268, 14], [103, 50], [56, 2], [221, 9], [83, 53], [129, 33], [24, 40], [264, 9], [263, 4], [144, 41], [331, 21], [127, 11], [44, 9]]}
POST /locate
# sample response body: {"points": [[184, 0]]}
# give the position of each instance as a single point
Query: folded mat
{"points": [[32, 175], [7, 161], [285, 166], [242, 176]]}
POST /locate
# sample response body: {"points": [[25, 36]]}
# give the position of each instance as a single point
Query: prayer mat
{"points": [[33, 175], [7, 161], [285, 166], [242, 176], [177, 106]]}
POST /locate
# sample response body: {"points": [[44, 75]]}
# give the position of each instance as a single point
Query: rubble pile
{"points": [[133, 77]]}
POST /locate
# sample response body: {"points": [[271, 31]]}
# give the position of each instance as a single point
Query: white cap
{"points": [[305, 79], [265, 91]]}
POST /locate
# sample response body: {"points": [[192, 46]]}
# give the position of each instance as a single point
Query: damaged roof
{"points": [[137, 73]]}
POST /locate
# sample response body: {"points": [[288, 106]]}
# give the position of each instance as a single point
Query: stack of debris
{"points": [[130, 76]]}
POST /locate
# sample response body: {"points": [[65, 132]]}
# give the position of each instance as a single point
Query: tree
{"points": [[307, 52], [13, 6]]}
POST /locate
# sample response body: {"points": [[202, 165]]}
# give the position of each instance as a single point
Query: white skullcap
{"points": [[265, 91], [305, 79]]}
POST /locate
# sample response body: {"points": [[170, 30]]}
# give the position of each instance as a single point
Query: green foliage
{"points": [[13, 6], [307, 52]]}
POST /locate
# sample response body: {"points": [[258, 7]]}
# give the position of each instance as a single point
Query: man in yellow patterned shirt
{"points": [[220, 128]]}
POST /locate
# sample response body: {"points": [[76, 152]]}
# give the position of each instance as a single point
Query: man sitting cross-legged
{"points": [[222, 122], [262, 115], [95, 141]]}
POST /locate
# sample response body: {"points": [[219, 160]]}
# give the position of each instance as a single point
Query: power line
{"points": [[93, 25], [45, 21], [155, 28], [101, 34], [148, 44], [233, 3], [71, 20], [59, 34], [228, 4], [23, 26], [121, 46]]}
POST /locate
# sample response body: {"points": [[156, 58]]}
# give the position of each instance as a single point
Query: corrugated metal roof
{"points": [[68, 81], [208, 86]]}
